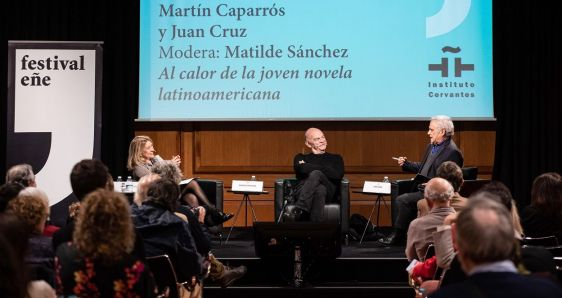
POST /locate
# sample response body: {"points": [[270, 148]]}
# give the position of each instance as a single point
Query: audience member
{"points": [[14, 278], [440, 149], [198, 231], [8, 192], [319, 175], [98, 262], [544, 216], [212, 216], [23, 174], [142, 188], [31, 206], [446, 256], [504, 197], [451, 172], [165, 233], [86, 176], [438, 193], [485, 241]]}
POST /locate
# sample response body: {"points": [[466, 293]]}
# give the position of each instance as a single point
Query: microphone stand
{"points": [[289, 190], [282, 210]]}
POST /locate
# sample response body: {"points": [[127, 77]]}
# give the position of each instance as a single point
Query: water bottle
{"points": [[386, 179], [253, 178], [121, 184], [129, 184]]}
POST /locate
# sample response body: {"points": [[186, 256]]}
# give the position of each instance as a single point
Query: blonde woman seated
{"points": [[98, 262], [143, 161]]}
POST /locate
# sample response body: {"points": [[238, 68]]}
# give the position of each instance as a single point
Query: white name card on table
{"points": [[376, 187], [125, 187], [242, 185]]}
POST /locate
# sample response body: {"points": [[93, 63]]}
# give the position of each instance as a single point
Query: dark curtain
{"points": [[527, 76], [116, 24], [527, 93]]}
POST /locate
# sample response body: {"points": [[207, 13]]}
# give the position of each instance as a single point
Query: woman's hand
{"points": [[177, 160]]}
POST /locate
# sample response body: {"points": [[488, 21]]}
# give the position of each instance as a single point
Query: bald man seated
{"points": [[318, 173]]}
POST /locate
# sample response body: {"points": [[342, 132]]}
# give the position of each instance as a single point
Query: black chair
{"points": [[547, 241], [165, 276], [214, 191], [470, 173], [555, 250], [333, 211]]}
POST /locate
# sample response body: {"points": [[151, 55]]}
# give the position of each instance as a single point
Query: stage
{"points": [[362, 270]]}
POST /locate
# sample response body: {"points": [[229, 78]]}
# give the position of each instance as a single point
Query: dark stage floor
{"points": [[361, 270], [241, 245]]}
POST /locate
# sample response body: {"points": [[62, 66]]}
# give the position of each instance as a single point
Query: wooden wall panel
{"points": [[238, 150]]}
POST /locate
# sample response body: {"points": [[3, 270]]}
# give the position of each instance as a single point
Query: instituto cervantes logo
{"points": [[443, 67], [450, 88]]}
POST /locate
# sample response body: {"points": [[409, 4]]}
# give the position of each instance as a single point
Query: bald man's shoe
{"points": [[397, 238]]}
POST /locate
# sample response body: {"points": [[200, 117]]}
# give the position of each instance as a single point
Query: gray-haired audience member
{"points": [[22, 173], [451, 172], [485, 241], [438, 193]]}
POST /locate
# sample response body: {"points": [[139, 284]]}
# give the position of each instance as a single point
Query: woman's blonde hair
{"points": [[104, 228], [135, 151], [31, 206]]}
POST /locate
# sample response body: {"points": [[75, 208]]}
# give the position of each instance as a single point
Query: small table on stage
{"points": [[245, 201], [377, 205]]}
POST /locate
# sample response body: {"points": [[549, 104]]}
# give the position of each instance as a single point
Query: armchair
{"points": [[334, 211], [214, 191]]}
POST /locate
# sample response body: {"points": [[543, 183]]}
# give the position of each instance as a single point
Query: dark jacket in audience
{"points": [[165, 233], [537, 224], [199, 231], [500, 285], [40, 258]]}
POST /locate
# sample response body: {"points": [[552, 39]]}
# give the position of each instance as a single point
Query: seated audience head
{"points": [[13, 246], [451, 172], [104, 228], [438, 192], [315, 140], [499, 192], [546, 194], [141, 150], [87, 176], [165, 193], [167, 169], [142, 187], [441, 127], [8, 192], [22, 173], [32, 207], [484, 233]]}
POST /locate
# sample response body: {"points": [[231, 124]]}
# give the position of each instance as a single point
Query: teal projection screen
{"points": [[315, 60]]}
